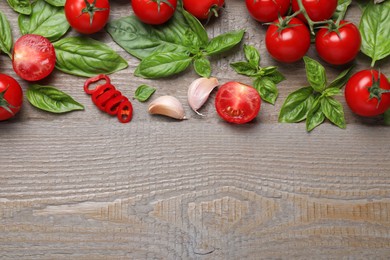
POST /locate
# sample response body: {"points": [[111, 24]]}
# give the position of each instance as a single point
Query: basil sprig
{"points": [[6, 40], [315, 102], [265, 79]]}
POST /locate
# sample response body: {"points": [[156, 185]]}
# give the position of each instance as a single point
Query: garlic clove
{"points": [[199, 91], [167, 106]]}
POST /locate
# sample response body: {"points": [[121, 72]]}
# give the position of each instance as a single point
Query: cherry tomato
{"points": [[203, 9], [237, 103], [33, 57], [87, 16], [289, 44], [11, 97], [154, 11], [317, 10], [338, 47], [267, 10], [366, 95]]}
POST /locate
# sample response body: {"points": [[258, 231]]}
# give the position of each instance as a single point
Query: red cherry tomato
{"points": [[11, 97], [33, 57], [338, 47], [363, 92], [267, 10], [87, 16], [154, 11], [203, 9], [290, 44], [237, 103], [317, 10]]}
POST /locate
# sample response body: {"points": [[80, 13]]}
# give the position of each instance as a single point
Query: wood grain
{"points": [[83, 186]]}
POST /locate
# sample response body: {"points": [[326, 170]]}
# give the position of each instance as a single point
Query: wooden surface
{"points": [[83, 186]]}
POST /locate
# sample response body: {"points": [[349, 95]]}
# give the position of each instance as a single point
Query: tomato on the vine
{"points": [[318, 10], [287, 43], [154, 11], [237, 103], [367, 93], [203, 9], [87, 16], [33, 57], [267, 10], [340, 45], [11, 97]]}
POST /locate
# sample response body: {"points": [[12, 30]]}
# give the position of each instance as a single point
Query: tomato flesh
{"points": [[152, 12], [267, 10], [237, 103], [11, 97]]}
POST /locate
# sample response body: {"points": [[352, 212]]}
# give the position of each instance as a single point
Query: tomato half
{"points": [[317, 10], [11, 97], [154, 11], [267, 10], [237, 103], [87, 16], [366, 95], [33, 57], [338, 47], [289, 44], [203, 9]]}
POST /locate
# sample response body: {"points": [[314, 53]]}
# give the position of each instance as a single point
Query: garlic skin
{"points": [[167, 106], [199, 91]]}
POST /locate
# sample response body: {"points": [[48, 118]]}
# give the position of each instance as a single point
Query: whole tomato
{"points": [[267, 10], [87, 16], [203, 9], [11, 97], [287, 43], [367, 93], [317, 10], [154, 11], [338, 46]]}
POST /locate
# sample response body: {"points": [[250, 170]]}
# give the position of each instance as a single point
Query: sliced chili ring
{"points": [[94, 80], [125, 111]]}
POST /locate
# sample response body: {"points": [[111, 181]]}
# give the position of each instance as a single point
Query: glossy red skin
{"points": [[13, 94], [147, 11], [317, 10], [357, 94], [267, 10], [201, 8], [81, 22], [244, 102], [338, 49], [33, 57], [290, 44]]}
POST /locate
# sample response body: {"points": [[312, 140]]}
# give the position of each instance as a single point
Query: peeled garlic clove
{"points": [[199, 91], [167, 106]]}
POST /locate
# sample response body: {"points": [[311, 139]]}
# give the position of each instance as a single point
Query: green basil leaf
{"points": [[333, 110], [144, 92], [46, 20], [267, 89], [197, 28], [374, 29], [56, 2], [387, 117], [5, 35], [192, 42], [252, 55], [341, 79], [160, 65], [297, 105], [20, 6], [224, 42], [268, 70], [276, 76], [329, 92], [315, 73], [342, 6], [315, 116], [202, 67], [51, 99], [244, 68]]}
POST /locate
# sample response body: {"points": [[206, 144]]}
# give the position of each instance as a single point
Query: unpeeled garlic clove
{"points": [[199, 91], [167, 106]]}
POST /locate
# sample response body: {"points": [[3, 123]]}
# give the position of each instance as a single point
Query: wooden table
{"points": [[83, 186]]}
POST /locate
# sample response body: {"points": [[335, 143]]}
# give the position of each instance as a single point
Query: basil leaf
{"points": [[315, 74], [297, 105], [197, 28], [244, 68], [202, 67], [276, 76], [342, 6], [192, 42], [56, 2], [268, 70], [315, 117], [374, 29], [86, 57], [160, 65], [341, 79], [252, 55], [267, 89], [46, 20], [329, 92], [387, 117], [5, 35], [51, 99], [20, 6], [333, 110], [224, 42], [144, 92]]}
